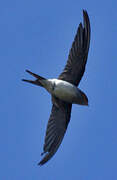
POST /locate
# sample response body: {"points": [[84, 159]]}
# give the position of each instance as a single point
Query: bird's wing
{"points": [[77, 58], [56, 128]]}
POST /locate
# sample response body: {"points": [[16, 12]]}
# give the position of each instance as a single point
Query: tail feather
{"points": [[35, 75], [37, 81]]}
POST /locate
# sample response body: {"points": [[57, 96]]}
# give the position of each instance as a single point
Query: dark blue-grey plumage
{"points": [[64, 88], [56, 128], [77, 58], [73, 72]]}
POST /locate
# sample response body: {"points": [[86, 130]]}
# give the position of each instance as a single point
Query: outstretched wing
{"points": [[56, 128], [77, 58]]}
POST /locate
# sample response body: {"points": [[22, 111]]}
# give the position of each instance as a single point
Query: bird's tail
{"points": [[37, 81]]}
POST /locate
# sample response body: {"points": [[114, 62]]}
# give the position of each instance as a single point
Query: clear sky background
{"points": [[37, 35]]}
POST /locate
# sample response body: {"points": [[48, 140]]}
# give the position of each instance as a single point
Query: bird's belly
{"points": [[66, 92]]}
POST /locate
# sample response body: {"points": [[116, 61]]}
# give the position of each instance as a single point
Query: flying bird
{"points": [[64, 91]]}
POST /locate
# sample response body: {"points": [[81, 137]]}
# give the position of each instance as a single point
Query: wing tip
{"points": [[39, 164], [84, 11], [86, 16], [46, 158], [87, 28]]}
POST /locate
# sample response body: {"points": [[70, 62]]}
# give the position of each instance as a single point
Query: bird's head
{"points": [[84, 99]]}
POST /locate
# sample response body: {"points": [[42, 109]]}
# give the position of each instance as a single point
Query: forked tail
{"points": [[37, 81]]}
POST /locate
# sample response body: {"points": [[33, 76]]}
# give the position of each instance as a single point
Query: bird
{"points": [[64, 90]]}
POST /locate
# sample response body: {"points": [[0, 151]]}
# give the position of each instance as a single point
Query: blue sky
{"points": [[37, 35]]}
